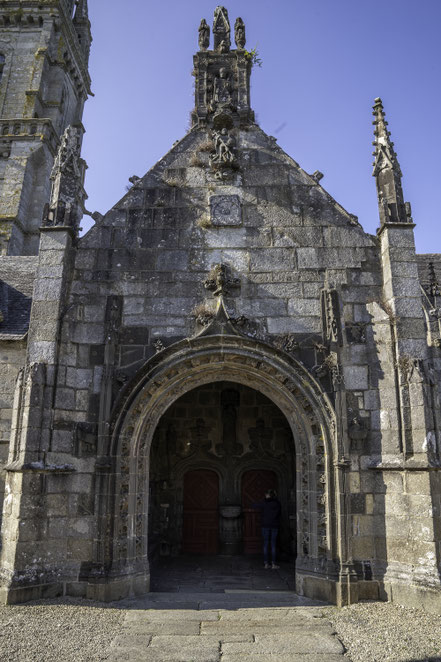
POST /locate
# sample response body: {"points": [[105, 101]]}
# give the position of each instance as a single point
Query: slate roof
{"points": [[15, 308], [16, 285]]}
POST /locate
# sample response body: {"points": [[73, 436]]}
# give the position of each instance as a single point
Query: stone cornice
{"points": [[391, 224]]}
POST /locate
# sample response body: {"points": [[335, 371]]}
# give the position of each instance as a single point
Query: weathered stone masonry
{"points": [[226, 264]]}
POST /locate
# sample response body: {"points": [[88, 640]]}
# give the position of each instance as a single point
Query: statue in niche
{"points": [[229, 447], [261, 439], [222, 88], [204, 35], [239, 33], [224, 145]]}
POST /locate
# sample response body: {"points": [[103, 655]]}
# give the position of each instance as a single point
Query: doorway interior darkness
{"points": [[214, 452]]}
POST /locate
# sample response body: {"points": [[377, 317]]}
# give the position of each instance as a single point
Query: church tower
{"points": [[44, 82]]}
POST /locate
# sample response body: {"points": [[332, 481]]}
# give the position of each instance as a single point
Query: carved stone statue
{"points": [[239, 33], [222, 89], [204, 35], [224, 145]]}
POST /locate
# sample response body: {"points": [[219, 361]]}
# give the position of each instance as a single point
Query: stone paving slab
{"points": [[132, 640], [162, 615], [157, 655], [156, 627], [231, 628], [299, 643], [290, 657], [264, 627], [296, 614]]}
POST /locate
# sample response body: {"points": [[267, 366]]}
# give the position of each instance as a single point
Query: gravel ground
{"points": [[381, 631], [75, 630], [65, 629]]}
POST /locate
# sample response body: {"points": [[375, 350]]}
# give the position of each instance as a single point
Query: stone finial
{"points": [[221, 30], [383, 145], [239, 33], [433, 287], [66, 204], [67, 158], [387, 172], [204, 35]]}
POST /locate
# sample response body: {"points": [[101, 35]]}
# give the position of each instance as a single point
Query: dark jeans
{"points": [[269, 534]]}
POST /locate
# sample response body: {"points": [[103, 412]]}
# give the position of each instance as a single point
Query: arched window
{"points": [[2, 65]]}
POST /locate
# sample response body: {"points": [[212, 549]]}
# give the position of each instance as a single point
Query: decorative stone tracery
{"points": [[203, 360]]}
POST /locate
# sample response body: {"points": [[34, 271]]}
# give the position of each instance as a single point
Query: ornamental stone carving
{"points": [[225, 210], [204, 35], [218, 281], [239, 33], [66, 204], [221, 30]]}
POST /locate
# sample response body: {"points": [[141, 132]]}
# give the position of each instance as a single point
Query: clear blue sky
{"points": [[324, 62]]}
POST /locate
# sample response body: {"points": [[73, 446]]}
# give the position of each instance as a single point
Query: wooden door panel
{"points": [[200, 530], [254, 485]]}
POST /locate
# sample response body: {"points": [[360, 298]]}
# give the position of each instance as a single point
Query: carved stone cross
{"points": [[219, 282]]}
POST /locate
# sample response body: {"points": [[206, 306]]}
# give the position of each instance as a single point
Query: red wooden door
{"points": [[254, 485], [200, 533]]}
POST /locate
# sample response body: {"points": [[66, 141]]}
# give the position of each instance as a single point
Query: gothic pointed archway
{"points": [[123, 548]]}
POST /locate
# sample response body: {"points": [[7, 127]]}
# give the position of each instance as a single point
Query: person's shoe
{"points": [[274, 566], [267, 566]]}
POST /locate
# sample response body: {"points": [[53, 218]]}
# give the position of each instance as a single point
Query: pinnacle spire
{"points": [[221, 30], [384, 147], [387, 172], [82, 26]]}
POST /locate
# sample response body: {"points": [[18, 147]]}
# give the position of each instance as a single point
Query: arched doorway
{"points": [[121, 566], [215, 452]]}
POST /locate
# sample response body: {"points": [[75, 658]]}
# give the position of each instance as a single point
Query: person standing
{"points": [[271, 510]]}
